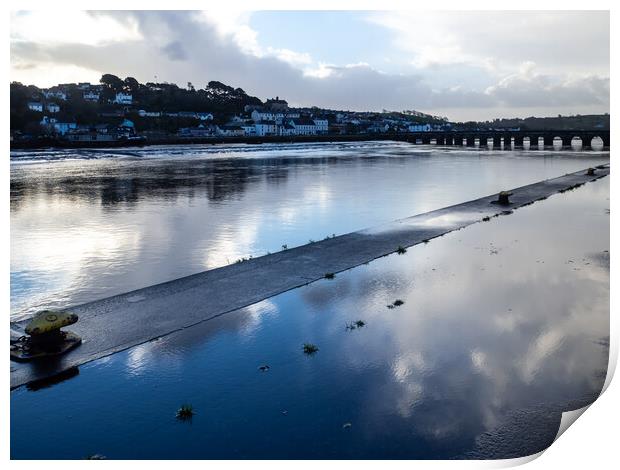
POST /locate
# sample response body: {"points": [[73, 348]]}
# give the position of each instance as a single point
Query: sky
{"points": [[469, 65]]}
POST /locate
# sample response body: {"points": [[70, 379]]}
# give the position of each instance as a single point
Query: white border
{"points": [[591, 443]]}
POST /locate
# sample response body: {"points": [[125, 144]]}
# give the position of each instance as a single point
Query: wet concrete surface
{"points": [[120, 322]]}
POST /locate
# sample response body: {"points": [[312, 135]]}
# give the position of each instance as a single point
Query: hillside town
{"points": [[118, 109]]}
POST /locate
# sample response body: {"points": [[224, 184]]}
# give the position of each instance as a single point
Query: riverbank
{"points": [[440, 137], [120, 322]]}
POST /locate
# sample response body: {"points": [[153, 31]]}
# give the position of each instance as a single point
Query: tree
{"points": [[131, 84], [112, 82]]}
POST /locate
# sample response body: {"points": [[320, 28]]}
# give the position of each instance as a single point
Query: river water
{"points": [[504, 324], [88, 224]]}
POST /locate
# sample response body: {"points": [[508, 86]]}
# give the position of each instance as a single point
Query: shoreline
{"points": [[425, 138], [133, 318]]}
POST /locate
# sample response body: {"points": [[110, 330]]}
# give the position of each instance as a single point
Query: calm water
{"points": [[89, 224], [505, 324]]}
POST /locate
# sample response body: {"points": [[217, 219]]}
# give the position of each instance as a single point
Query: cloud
{"points": [[499, 40], [192, 46], [175, 51], [533, 89]]}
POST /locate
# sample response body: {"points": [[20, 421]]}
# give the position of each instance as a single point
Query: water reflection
{"points": [[91, 224], [498, 334]]}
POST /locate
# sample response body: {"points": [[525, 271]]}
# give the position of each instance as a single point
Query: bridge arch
{"points": [[576, 142], [597, 143]]}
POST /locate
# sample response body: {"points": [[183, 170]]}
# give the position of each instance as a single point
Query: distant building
{"points": [[378, 128], [200, 131], [143, 113], [322, 126], [55, 94], [52, 107], [303, 126], [188, 114], [264, 128], [420, 128], [248, 129], [63, 128], [91, 96], [278, 116], [261, 115], [35, 106], [47, 121], [276, 104], [123, 98], [287, 129], [205, 116], [230, 130]]}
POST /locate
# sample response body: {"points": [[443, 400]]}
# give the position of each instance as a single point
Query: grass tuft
{"points": [[185, 412], [401, 250], [329, 275], [310, 348]]}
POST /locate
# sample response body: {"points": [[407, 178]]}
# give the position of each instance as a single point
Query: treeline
{"points": [[576, 122]]}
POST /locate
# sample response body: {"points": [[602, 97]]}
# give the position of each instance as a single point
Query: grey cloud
{"points": [[175, 51], [541, 90]]}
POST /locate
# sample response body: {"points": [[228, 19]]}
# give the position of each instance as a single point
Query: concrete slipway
{"points": [[122, 321]]}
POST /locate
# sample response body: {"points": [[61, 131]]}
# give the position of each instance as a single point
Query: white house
{"points": [[53, 107], [91, 96], [58, 94], [230, 130], [248, 129], [287, 129], [276, 116], [303, 126], [35, 106], [123, 98], [205, 116], [200, 131], [321, 126], [258, 116], [265, 128], [63, 127], [143, 113], [420, 128]]}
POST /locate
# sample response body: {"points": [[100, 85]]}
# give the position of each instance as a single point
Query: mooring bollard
{"points": [[590, 172], [502, 198]]}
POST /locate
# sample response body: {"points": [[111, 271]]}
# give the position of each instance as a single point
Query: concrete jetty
{"points": [[122, 321]]}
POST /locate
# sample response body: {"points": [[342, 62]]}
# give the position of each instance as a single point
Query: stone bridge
{"points": [[502, 137]]}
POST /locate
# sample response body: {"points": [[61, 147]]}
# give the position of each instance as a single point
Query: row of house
{"points": [[202, 116], [89, 133], [288, 127], [39, 107]]}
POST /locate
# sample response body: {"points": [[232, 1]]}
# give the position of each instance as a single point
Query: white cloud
{"points": [[63, 26], [500, 40]]}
